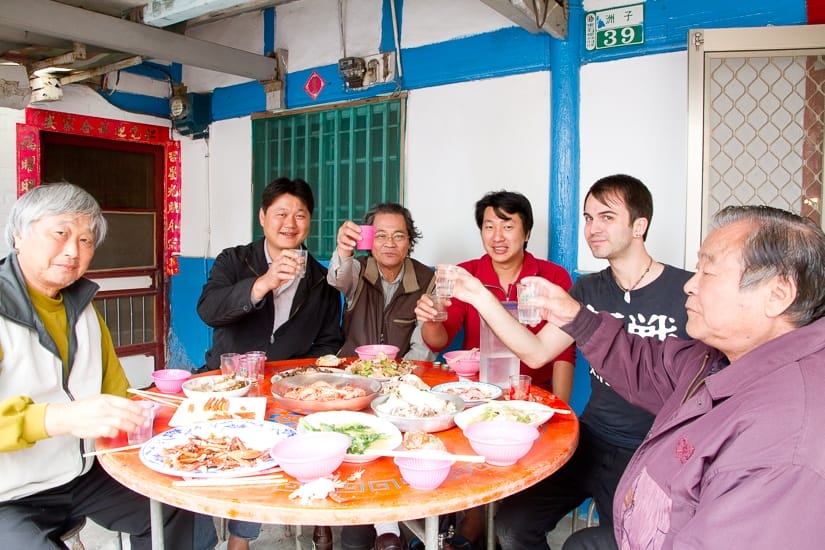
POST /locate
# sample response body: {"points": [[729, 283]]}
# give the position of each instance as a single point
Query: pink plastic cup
{"points": [[367, 237]]}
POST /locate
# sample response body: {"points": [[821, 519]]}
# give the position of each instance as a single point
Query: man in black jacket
{"points": [[255, 298]]}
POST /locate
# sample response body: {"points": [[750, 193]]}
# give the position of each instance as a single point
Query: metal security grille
{"points": [[130, 319], [350, 155], [756, 111], [765, 132]]}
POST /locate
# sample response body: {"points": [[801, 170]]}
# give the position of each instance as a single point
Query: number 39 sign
{"points": [[623, 26]]}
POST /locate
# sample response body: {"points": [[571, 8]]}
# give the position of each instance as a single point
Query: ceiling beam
{"points": [[169, 12], [79, 25], [521, 13]]}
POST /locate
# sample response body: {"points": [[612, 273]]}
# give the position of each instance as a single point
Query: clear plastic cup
{"points": [[520, 387], [528, 310], [440, 305], [230, 363], [145, 431]]}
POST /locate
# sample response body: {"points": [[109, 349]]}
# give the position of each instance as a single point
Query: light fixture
{"points": [[352, 70], [179, 105]]}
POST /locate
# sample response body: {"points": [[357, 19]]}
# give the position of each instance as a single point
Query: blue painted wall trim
{"points": [[238, 100], [513, 51], [184, 291], [387, 39], [157, 71], [137, 103], [269, 30]]}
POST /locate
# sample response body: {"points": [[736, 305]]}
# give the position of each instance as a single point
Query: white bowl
{"points": [[528, 412], [309, 456], [202, 387], [427, 424], [501, 443]]}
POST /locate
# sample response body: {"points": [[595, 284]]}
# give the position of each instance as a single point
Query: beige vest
{"points": [[28, 369]]}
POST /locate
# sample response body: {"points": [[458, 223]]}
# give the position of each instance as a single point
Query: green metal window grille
{"points": [[350, 156]]}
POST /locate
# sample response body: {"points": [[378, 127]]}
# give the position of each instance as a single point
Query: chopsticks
{"points": [[166, 399], [113, 450], [272, 479], [425, 454]]}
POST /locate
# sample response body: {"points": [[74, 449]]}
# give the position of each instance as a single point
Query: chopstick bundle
{"points": [[555, 410], [168, 400], [113, 450], [426, 454], [273, 479]]}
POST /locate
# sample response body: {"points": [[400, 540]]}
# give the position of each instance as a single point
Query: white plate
{"points": [[360, 367], [392, 435], [308, 369], [256, 434], [485, 390], [200, 388], [238, 408], [505, 410]]}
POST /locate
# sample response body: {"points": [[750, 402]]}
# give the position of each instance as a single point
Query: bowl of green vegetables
{"points": [[367, 432]]}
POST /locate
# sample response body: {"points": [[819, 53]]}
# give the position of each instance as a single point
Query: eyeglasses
{"points": [[398, 238]]}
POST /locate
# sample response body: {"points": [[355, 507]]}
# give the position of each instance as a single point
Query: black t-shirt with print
{"points": [[655, 310]]}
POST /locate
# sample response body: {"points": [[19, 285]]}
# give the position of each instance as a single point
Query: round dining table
{"points": [[373, 491]]}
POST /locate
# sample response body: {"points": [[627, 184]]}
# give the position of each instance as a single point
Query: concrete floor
{"points": [[273, 537]]}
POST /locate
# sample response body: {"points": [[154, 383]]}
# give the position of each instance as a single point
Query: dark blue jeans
{"points": [[524, 519], [35, 522], [592, 538]]}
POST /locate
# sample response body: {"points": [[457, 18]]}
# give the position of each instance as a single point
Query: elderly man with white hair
{"points": [[61, 384]]}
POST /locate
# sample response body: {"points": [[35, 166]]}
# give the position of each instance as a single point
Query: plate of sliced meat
{"points": [[218, 408]]}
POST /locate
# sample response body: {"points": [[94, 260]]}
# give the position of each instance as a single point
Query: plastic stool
{"points": [[71, 537], [591, 511]]}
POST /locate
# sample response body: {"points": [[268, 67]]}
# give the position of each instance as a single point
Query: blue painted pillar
{"points": [[565, 96]]}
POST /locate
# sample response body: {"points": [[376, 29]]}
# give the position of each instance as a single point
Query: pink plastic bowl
{"points": [[463, 362], [423, 473], [501, 442], [372, 350], [309, 456], [170, 380]]}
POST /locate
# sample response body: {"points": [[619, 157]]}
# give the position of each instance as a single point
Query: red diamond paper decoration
{"points": [[314, 85]]}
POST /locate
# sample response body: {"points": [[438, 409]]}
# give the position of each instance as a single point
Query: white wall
{"points": [[217, 189], [634, 121], [9, 118], [309, 29], [244, 32], [455, 19], [464, 140]]}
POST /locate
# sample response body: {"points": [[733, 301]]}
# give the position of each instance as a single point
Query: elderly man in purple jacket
{"points": [[736, 456]]}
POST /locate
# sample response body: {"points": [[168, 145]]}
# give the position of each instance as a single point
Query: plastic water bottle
{"points": [[497, 361]]}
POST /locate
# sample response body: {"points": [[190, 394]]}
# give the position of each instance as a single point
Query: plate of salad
{"points": [[366, 431]]}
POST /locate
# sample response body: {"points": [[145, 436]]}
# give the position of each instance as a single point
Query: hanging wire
{"points": [[540, 22], [341, 27]]}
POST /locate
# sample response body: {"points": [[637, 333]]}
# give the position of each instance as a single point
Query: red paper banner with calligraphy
{"points": [[29, 154]]}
